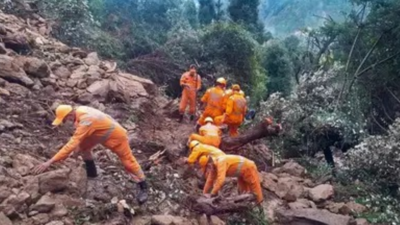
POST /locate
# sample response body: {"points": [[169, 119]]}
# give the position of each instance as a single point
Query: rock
{"points": [[19, 90], [352, 208], [62, 72], [203, 220], [59, 211], [3, 30], [321, 192], [311, 216], [72, 83], [17, 42], [23, 197], [53, 181], [216, 221], [55, 223], [78, 75], [148, 85], [168, 220], [287, 188], [4, 220], [92, 59], [41, 218], [31, 186], [3, 49], [35, 67], [79, 177], [291, 168], [23, 164], [45, 204], [334, 207], [302, 204], [4, 193], [12, 72], [4, 92], [362, 221], [81, 84]]}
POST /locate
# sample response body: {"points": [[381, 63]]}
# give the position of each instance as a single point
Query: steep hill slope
{"points": [[38, 72]]}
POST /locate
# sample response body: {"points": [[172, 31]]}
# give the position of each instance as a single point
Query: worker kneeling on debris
{"points": [[232, 166], [208, 134], [198, 150], [235, 112], [95, 127]]}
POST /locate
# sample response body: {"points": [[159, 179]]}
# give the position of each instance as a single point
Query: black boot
{"points": [[91, 170], [191, 117], [142, 194]]}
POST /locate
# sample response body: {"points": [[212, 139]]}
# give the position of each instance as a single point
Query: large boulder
{"points": [[12, 72], [45, 204], [54, 181], [24, 163], [92, 59], [311, 216], [321, 192], [4, 220], [291, 168], [35, 67]]}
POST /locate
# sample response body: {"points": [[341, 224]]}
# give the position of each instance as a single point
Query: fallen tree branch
{"points": [[220, 205], [263, 129]]}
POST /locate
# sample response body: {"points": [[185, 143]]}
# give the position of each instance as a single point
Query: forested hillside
{"points": [[327, 70]]}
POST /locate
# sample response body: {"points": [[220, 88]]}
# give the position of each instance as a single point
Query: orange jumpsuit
{"points": [[209, 134], [203, 150], [95, 127], [189, 93], [219, 120], [234, 166], [214, 98]]}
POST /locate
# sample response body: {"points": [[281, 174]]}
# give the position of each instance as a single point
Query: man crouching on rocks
{"points": [[95, 127]]}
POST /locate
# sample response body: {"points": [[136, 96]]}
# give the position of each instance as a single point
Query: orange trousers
{"points": [[188, 98], [249, 182], [119, 144], [208, 140], [209, 113], [233, 128]]}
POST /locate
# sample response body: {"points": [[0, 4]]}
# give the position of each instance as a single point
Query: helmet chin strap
{"points": [[194, 146]]}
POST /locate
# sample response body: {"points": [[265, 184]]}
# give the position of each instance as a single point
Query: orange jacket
{"points": [[225, 166], [214, 97], [228, 94], [194, 82], [91, 123], [210, 130], [236, 109], [201, 150]]}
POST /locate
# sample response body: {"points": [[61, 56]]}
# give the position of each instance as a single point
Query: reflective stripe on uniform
{"points": [[108, 133], [239, 167]]}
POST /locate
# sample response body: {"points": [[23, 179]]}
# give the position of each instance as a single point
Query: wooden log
{"points": [[263, 129], [219, 205]]}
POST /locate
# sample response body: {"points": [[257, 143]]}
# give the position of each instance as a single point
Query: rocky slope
{"points": [[38, 72]]}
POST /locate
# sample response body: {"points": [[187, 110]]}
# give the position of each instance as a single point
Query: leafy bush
{"points": [[378, 157]]}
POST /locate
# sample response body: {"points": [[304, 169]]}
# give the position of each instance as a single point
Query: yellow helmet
{"points": [[193, 144], [61, 112], [209, 119], [236, 87], [221, 80]]}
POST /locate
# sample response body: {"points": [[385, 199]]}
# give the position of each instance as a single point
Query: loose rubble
{"points": [[53, 73]]}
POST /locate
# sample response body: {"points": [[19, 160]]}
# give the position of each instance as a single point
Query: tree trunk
{"points": [[263, 129], [221, 205]]}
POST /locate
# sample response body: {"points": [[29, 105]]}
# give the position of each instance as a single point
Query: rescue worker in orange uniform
{"points": [[198, 149], [213, 99], [208, 134], [235, 112], [95, 127], [232, 166], [191, 84]]}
